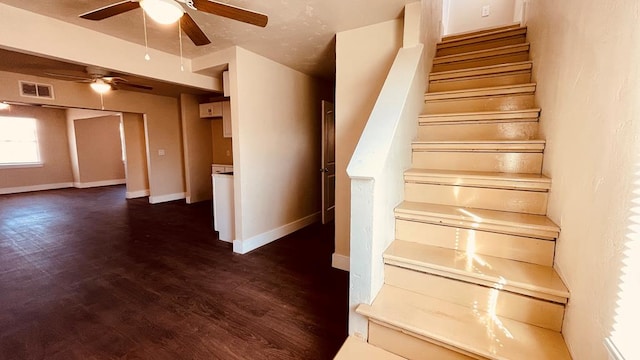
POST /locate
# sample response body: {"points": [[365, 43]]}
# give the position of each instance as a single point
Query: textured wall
{"points": [[196, 135], [586, 56], [363, 59], [466, 15], [137, 172], [276, 139], [99, 149]]}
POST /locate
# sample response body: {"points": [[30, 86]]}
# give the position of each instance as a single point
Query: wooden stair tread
{"points": [[479, 178], [476, 216], [509, 115], [515, 276], [355, 349], [480, 145], [479, 33], [470, 330], [481, 92], [481, 53], [499, 35], [481, 70]]}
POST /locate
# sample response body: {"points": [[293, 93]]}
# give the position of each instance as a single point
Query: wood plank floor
{"points": [[86, 274]]}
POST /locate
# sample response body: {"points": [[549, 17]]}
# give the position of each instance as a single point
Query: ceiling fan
{"points": [[170, 11], [100, 81]]}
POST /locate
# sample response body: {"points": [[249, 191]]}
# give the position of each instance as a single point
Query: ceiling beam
{"points": [[35, 34]]}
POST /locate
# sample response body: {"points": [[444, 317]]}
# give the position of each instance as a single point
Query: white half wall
{"points": [[586, 58], [376, 171]]}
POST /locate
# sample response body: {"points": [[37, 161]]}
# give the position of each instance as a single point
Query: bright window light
{"points": [[623, 342], [18, 141]]}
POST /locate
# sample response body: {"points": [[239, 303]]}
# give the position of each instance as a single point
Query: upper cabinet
{"points": [[218, 109], [226, 119], [209, 110]]}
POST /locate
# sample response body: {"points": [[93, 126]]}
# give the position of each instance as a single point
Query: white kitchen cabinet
{"points": [[226, 119], [223, 207], [209, 110]]}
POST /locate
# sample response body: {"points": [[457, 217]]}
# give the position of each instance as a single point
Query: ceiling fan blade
{"points": [[231, 12], [113, 79], [193, 31], [69, 77], [111, 10], [130, 85]]}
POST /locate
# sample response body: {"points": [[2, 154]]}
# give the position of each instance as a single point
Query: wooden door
{"points": [[328, 168]]}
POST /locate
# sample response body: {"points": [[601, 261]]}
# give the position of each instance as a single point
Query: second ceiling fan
{"points": [[170, 11]]}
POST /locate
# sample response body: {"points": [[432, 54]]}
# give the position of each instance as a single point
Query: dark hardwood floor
{"points": [[86, 274]]}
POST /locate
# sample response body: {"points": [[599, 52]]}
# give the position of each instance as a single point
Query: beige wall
{"points": [[197, 149], [276, 132], [136, 155], [586, 62], [166, 179], [221, 144], [99, 149], [466, 15], [363, 59], [54, 150]]}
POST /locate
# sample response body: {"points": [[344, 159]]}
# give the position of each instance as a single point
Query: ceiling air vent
{"points": [[30, 89]]}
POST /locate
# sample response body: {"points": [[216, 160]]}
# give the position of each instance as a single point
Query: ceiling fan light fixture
{"points": [[162, 11], [100, 86]]}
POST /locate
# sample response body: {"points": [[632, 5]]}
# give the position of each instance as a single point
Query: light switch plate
{"points": [[486, 10]]}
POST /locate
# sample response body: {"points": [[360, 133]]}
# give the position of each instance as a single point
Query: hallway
{"points": [[87, 274]]}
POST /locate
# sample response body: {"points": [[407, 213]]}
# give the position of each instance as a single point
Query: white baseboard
{"points": [[164, 198], [137, 194], [340, 262], [21, 189], [252, 243], [84, 185]]}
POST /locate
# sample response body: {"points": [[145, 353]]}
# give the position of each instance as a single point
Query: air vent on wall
{"points": [[30, 89]]}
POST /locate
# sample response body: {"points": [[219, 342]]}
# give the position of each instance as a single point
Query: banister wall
{"points": [[376, 172]]}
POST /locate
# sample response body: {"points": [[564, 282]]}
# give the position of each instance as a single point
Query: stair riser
{"points": [[410, 347], [481, 131], [530, 202], [526, 163], [479, 32], [494, 301], [487, 103], [523, 247], [530, 115], [482, 61], [482, 43], [480, 81]]}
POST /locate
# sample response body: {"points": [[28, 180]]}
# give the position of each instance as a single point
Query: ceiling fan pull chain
{"points": [[101, 101], [146, 43], [180, 37]]}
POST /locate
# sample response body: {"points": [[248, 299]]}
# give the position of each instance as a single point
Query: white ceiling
{"points": [[300, 33]]}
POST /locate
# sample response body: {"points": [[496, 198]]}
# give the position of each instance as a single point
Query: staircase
{"points": [[469, 275]]}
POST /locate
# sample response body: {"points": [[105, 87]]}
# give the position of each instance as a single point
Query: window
{"points": [[18, 141], [623, 342]]}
